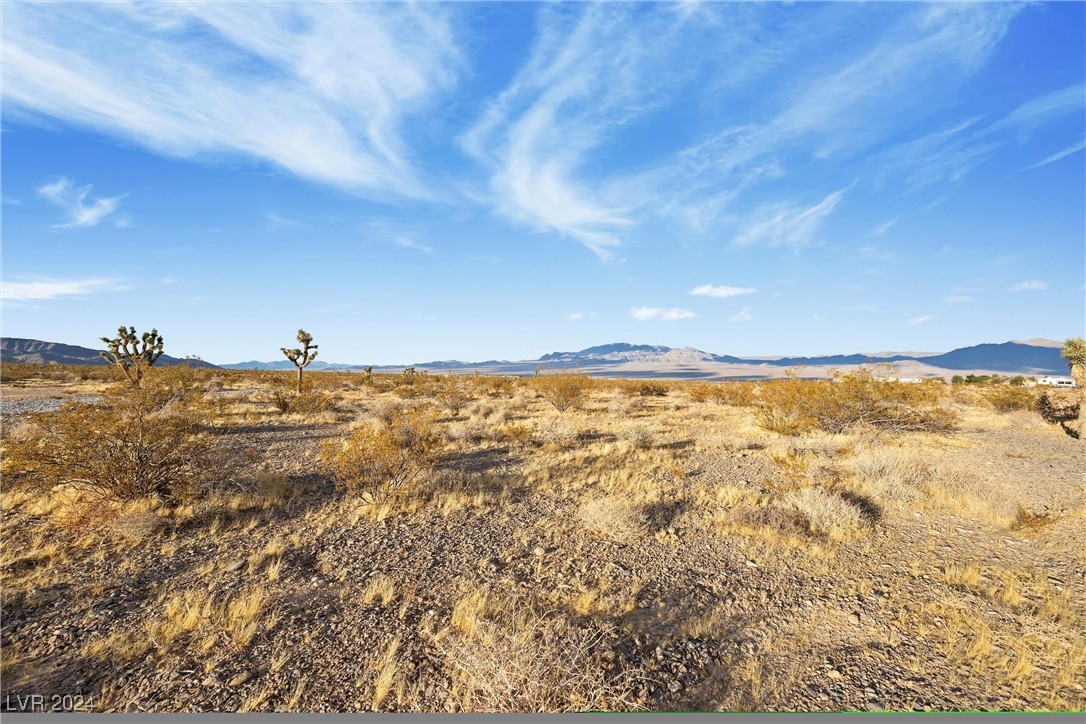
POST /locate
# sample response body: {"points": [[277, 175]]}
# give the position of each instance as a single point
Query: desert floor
{"points": [[640, 552]]}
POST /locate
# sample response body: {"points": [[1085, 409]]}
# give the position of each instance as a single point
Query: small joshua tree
{"points": [[302, 357], [132, 354]]}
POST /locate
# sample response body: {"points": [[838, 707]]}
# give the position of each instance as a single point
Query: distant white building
{"points": [[1056, 381], [909, 380]]}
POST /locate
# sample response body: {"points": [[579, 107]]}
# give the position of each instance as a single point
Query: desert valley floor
{"points": [[643, 551]]}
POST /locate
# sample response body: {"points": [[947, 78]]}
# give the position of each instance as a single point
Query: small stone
{"points": [[235, 566], [854, 617], [674, 686], [538, 551], [835, 674], [241, 678], [752, 564], [874, 706]]}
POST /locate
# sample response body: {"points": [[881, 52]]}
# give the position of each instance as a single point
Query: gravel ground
{"points": [[857, 630]]}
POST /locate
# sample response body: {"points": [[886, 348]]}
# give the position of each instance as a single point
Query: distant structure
{"points": [[908, 380], [1056, 381]]}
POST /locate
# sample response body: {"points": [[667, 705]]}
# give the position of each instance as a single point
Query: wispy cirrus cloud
{"points": [[1030, 285], [81, 210], [672, 314], [48, 288], [722, 291], [838, 109], [955, 150], [275, 222], [321, 91], [787, 224], [595, 70], [405, 242], [1081, 145], [743, 315], [921, 319]]}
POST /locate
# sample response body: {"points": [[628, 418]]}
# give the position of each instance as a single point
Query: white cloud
{"points": [[81, 210], [921, 320], [319, 90], [275, 222], [743, 315], [1030, 285], [787, 224], [668, 315], [399, 232], [957, 299], [593, 69], [881, 229], [1058, 155], [722, 291], [53, 288], [951, 153], [574, 316], [408, 243]]}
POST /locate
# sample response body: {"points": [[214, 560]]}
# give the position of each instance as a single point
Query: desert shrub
{"points": [[971, 494], [701, 391], [829, 513], [736, 394], [564, 390], [496, 386], [379, 459], [452, 395], [615, 517], [135, 443], [314, 403], [472, 431], [517, 432], [793, 406], [386, 410], [891, 474], [782, 521], [782, 419], [1055, 407], [646, 388], [284, 397], [1008, 398], [481, 410], [556, 431], [640, 436], [508, 656]]}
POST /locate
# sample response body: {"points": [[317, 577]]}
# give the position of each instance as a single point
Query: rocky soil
{"points": [[706, 619]]}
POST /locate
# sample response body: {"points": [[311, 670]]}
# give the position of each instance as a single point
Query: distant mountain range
{"points": [[34, 351], [1032, 357]]}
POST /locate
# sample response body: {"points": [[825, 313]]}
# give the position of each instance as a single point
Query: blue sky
{"points": [[477, 180]]}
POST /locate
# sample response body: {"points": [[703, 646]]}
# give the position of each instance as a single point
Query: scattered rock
{"points": [[241, 678]]}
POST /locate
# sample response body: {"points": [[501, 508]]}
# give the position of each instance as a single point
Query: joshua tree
{"points": [[132, 354], [1074, 351], [302, 357]]}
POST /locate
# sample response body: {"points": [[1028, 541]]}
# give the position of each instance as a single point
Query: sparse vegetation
{"points": [[564, 390], [464, 544], [378, 460]]}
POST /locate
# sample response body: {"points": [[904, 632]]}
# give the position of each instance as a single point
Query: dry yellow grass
{"points": [[676, 479]]}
